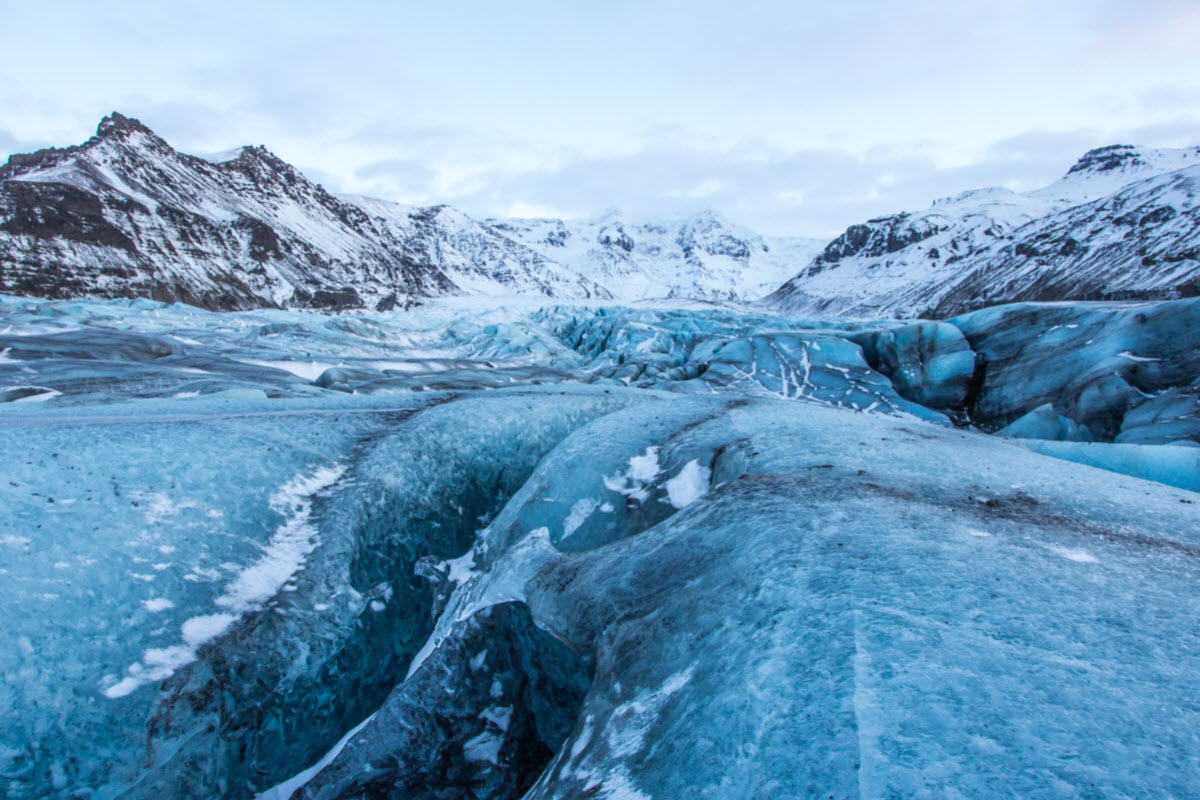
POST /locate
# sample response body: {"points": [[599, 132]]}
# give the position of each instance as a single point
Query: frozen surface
{"points": [[1124, 371], [1175, 466], [648, 551], [862, 607], [1044, 423]]}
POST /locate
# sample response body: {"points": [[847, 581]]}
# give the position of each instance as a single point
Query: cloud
{"points": [[1159, 25], [10, 144], [789, 117], [809, 191], [817, 192], [409, 174], [802, 191]]}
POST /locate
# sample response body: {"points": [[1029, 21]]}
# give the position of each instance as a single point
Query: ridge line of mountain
{"points": [[124, 214]]}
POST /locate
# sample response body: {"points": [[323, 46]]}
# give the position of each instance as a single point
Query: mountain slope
{"points": [[479, 258], [1122, 224], [126, 215], [702, 257]]}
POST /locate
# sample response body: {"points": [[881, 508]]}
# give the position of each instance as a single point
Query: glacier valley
{"points": [[580, 550]]}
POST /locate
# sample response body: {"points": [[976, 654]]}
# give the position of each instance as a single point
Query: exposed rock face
{"points": [[880, 237], [1103, 159], [1122, 224], [126, 215]]}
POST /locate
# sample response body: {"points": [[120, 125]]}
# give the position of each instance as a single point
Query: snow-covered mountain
{"points": [[1123, 223], [700, 257], [127, 215], [479, 259]]}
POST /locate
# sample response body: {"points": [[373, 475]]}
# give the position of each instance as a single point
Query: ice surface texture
{"points": [[1096, 363], [863, 607], [617, 552]]}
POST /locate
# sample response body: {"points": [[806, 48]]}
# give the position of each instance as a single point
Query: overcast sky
{"points": [[790, 117]]}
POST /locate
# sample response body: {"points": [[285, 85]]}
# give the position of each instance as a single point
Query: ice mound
{"points": [[937, 613]]}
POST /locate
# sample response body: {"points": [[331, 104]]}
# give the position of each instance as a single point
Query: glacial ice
{"points": [[1095, 362], [631, 552], [1173, 465], [929, 362], [1044, 423], [939, 613]]}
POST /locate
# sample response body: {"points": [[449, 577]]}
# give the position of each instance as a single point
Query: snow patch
{"points": [[484, 747], [289, 546], [582, 509], [500, 716], [1075, 554], [309, 370], [40, 393], [198, 630], [157, 604], [633, 482], [689, 485]]}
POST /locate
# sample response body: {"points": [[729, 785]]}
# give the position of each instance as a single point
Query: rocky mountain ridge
{"points": [[1123, 223], [126, 215]]}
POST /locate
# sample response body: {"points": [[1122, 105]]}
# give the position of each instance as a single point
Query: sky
{"points": [[793, 118]]}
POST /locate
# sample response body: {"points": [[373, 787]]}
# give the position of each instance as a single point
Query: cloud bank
{"points": [[791, 117]]}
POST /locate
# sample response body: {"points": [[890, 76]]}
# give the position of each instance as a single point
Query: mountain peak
{"points": [[707, 219], [1106, 159], [117, 125], [263, 166]]}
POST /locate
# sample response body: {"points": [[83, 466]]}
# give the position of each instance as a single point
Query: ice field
{"points": [[586, 551]]}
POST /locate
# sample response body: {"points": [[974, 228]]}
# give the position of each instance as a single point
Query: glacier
{"points": [[658, 550]]}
